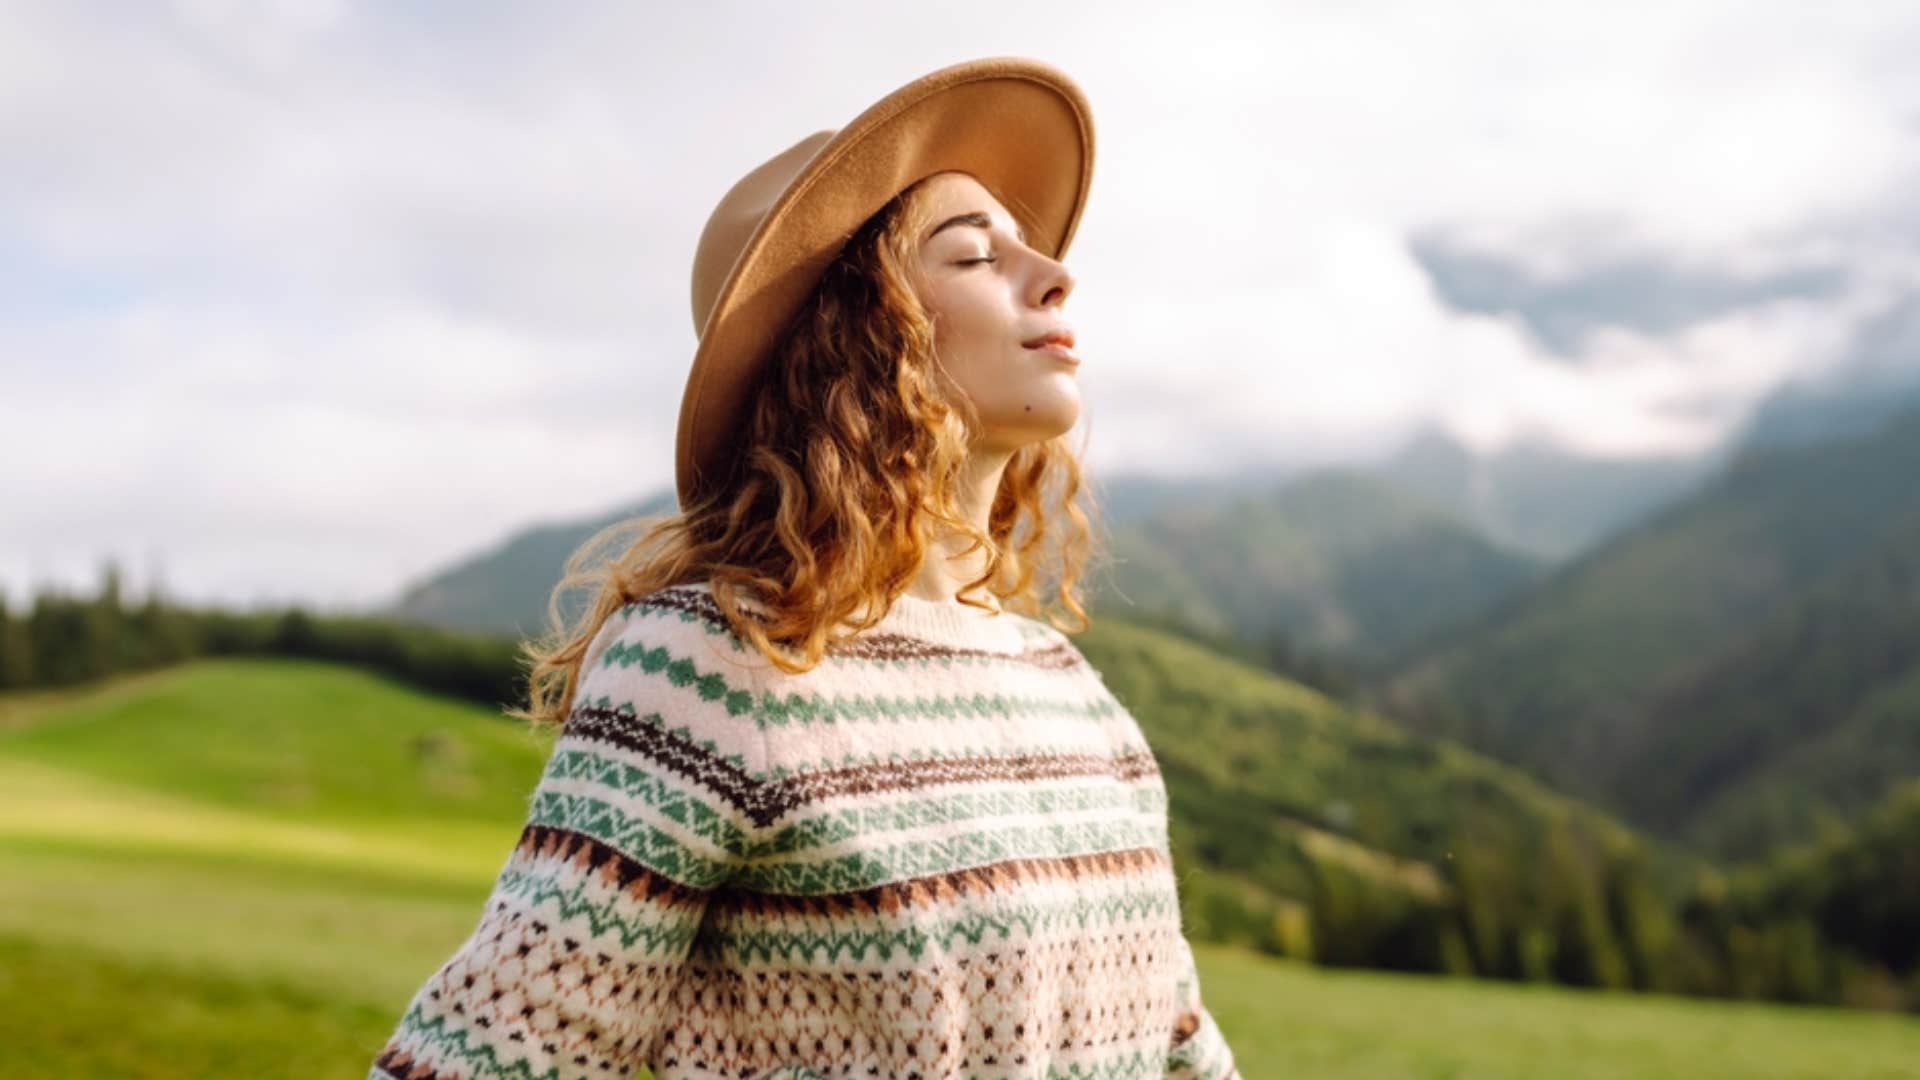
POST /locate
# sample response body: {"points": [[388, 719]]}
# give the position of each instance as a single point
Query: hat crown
{"points": [[738, 216]]}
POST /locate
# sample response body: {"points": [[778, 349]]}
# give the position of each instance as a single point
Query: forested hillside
{"points": [[1681, 671]]}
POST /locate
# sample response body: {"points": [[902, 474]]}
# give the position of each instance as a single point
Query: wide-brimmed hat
{"points": [[1019, 126]]}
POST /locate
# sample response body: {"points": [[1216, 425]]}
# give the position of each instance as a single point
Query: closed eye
{"points": [[981, 259]]}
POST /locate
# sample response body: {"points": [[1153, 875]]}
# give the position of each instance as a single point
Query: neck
{"points": [[946, 568]]}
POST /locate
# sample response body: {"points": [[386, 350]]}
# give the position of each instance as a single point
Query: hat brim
{"points": [[1019, 126]]}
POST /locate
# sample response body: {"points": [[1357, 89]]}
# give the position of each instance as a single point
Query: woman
{"points": [[829, 798]]}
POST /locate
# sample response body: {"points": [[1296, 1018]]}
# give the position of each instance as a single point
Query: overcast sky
{"points": [[304, 300]]}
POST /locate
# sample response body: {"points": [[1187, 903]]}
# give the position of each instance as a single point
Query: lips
{"points": [[1060, 337]]}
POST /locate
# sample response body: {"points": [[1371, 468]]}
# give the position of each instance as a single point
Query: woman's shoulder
{"points": [[664, 675], [690, 603], [675, 623]]}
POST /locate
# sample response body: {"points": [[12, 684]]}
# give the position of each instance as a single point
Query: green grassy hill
{"points": [[1393, 849], [239, 866], [246, 867]]}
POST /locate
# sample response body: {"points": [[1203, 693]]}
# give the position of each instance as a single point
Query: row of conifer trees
{"points": [[63, 638]]}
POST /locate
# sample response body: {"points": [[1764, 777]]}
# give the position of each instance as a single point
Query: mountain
{"points": [[1336, 561], [1538, 498], [1801, 724], [1879, 378], [505, 588], [1126, 498], [1674, 673], [1533, 497]]}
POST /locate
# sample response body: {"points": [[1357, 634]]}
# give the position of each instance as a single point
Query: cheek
{"points": [[969, 344], [970, 320]]}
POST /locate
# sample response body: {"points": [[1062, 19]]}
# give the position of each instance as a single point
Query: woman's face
{"points": [[992, 298]]}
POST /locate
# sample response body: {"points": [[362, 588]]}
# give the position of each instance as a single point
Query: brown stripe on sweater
{"points": [[613, 866], [873, 645], [697, 602], [674, 751], [907, 775], [765, 802], [1055, 656], [1005, 878], [397, 1062]]}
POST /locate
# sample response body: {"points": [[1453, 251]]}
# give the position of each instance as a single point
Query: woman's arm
{"points": [[572, 970], [1198, 1050]]}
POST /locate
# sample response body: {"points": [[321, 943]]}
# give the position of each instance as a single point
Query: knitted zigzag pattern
{"points": [[941, 853]]}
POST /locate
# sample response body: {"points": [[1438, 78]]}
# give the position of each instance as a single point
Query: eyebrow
{"points": [[978, 220]]}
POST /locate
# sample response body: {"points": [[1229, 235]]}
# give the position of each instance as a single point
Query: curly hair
{"points": [[849, 470]]}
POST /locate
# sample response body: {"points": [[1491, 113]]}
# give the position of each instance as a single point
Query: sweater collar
{"points": [[945, 621]]}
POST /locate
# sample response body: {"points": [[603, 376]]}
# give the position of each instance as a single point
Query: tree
{"points": [[16, 651]]}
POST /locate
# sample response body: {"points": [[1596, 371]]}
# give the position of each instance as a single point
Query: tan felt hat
{"points": [[1019, 126]]}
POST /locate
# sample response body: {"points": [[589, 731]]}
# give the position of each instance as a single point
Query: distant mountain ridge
{"points": [[1338, 561], [1672, 673], [1491, 523], [1537, 498], [505, 588]]}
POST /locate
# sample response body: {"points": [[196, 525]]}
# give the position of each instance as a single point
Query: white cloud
{"points": [[312, 296]]}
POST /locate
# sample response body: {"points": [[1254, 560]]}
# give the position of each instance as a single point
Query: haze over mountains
{"points": [[1349, 561]]}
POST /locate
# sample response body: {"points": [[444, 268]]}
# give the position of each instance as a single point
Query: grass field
{"points": [[245, 868]]}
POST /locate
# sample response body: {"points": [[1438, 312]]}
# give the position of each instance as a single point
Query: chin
{"points": [[1012, 427], [1037, 432]]}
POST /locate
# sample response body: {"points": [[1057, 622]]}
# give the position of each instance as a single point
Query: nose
{"points": [[1052, 283]]}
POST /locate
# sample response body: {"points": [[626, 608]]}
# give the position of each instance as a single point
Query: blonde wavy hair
{"points": [[850, 466]]}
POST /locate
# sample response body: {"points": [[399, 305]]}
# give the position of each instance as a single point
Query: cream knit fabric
{"points": [[941, 853]]}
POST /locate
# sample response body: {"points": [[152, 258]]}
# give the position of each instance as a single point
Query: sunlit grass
{"points": [[296, 739], [147, 930], [48, 807], [357, 938], [76, 1013], [1289, 1019]]}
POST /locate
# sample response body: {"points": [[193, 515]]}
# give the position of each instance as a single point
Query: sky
{"points": [[301, 300]]}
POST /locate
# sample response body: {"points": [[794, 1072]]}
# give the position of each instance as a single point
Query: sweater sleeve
{"points": [[1198, 1050], [572, 970]]}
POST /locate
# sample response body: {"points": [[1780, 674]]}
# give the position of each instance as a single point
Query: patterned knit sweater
{"points": [[942, 852]]}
